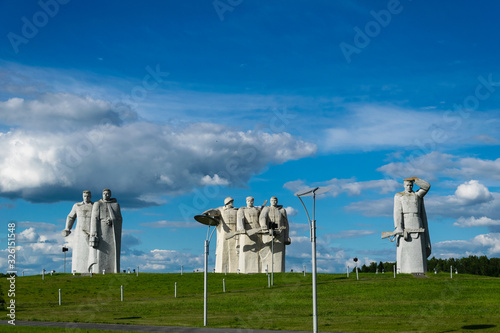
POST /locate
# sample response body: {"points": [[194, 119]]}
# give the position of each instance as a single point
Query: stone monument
{"points": [[227, 249], [82, 212], [411, 228], [275, 220], [105, 235], [250, 238]]}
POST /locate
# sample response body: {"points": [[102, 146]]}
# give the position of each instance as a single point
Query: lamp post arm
{"points": [[308, 218]]}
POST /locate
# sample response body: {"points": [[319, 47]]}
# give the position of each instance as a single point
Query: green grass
{"points": [[375, 303]]}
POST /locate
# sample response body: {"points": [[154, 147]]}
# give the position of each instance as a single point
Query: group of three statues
{"points": [[97, 236], [250, 239]]}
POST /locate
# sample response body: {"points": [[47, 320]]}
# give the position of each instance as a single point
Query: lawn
{"points": [[375, 303]]}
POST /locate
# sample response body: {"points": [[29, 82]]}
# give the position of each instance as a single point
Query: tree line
{"points": [[466, 265]]}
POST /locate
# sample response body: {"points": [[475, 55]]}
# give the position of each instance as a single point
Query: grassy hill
{"points": [[375, 303]]}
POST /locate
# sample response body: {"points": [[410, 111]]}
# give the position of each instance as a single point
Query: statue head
{"points": [[106, 194], [250, 201], [408, 183], [87, 196], [274, 201], [228, 201]]}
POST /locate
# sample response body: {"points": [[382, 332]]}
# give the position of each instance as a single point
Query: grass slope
{"points": [[375, 303]]}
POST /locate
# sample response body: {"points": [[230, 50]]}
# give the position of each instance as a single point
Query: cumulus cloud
{"points": [[476, 222], [63, 143], [488, 244], [350, 187], [433, 165], [471, 192]]}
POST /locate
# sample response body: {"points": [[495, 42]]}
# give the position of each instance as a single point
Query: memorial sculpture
{"points": [[250, 237], [81, 212], [105, 235], [275, 220], [227, 249], [411, 228]]}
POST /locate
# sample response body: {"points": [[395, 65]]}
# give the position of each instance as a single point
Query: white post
{"points": [[176, 290], [304, 270], [43, 274], [357, 276], [205, 285], [394, 270], [137, 270], [314, 268], [272, 259], [121, 288], [269, 281], [223, 285], [182, 268], [347, 271], [59, 296], [451, 272]]}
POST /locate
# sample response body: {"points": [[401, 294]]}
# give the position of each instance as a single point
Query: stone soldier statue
{"points": [[250, 238], [105, 235], [82, 212], [276, 222], [411, 227], [226, 253]]}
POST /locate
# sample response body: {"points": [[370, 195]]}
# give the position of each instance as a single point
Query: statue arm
{"points": [[70, 221], [240, 220], [263, 218], [398, 214], [424, 187]]}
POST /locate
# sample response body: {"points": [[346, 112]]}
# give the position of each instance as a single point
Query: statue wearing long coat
{"points": [[106, 227], [409, 215]]}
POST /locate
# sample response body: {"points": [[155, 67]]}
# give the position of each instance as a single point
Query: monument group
{"points": [[250, 239]]}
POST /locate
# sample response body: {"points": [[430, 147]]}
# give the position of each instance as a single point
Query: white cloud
{"points": [[290, 211], [60, 150], [471, 192], [433, 165], [170, 224], [485, 243], [215, 180], [476, 222], [348, 186]]}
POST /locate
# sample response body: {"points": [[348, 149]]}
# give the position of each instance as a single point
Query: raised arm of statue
{"points": [[424, 187]]}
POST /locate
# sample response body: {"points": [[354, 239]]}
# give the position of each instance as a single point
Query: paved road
{"points": [[143, 328]]}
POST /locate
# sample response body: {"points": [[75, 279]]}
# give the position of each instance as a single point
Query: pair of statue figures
{"points": [[97, 239], [250, 239], [411, 228]]}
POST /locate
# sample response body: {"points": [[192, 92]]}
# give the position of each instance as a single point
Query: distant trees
{"points": [[466, 265]]}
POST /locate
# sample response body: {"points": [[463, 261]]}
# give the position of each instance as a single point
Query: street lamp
{"points": [[210, 221], [64, 249], [312, 225]]}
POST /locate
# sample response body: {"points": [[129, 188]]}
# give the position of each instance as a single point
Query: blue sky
{"points": [[175, 105]]}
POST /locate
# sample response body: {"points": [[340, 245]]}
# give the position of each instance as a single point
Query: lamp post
{"points": [[210, 221], [312, 225], [64, 249]]}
